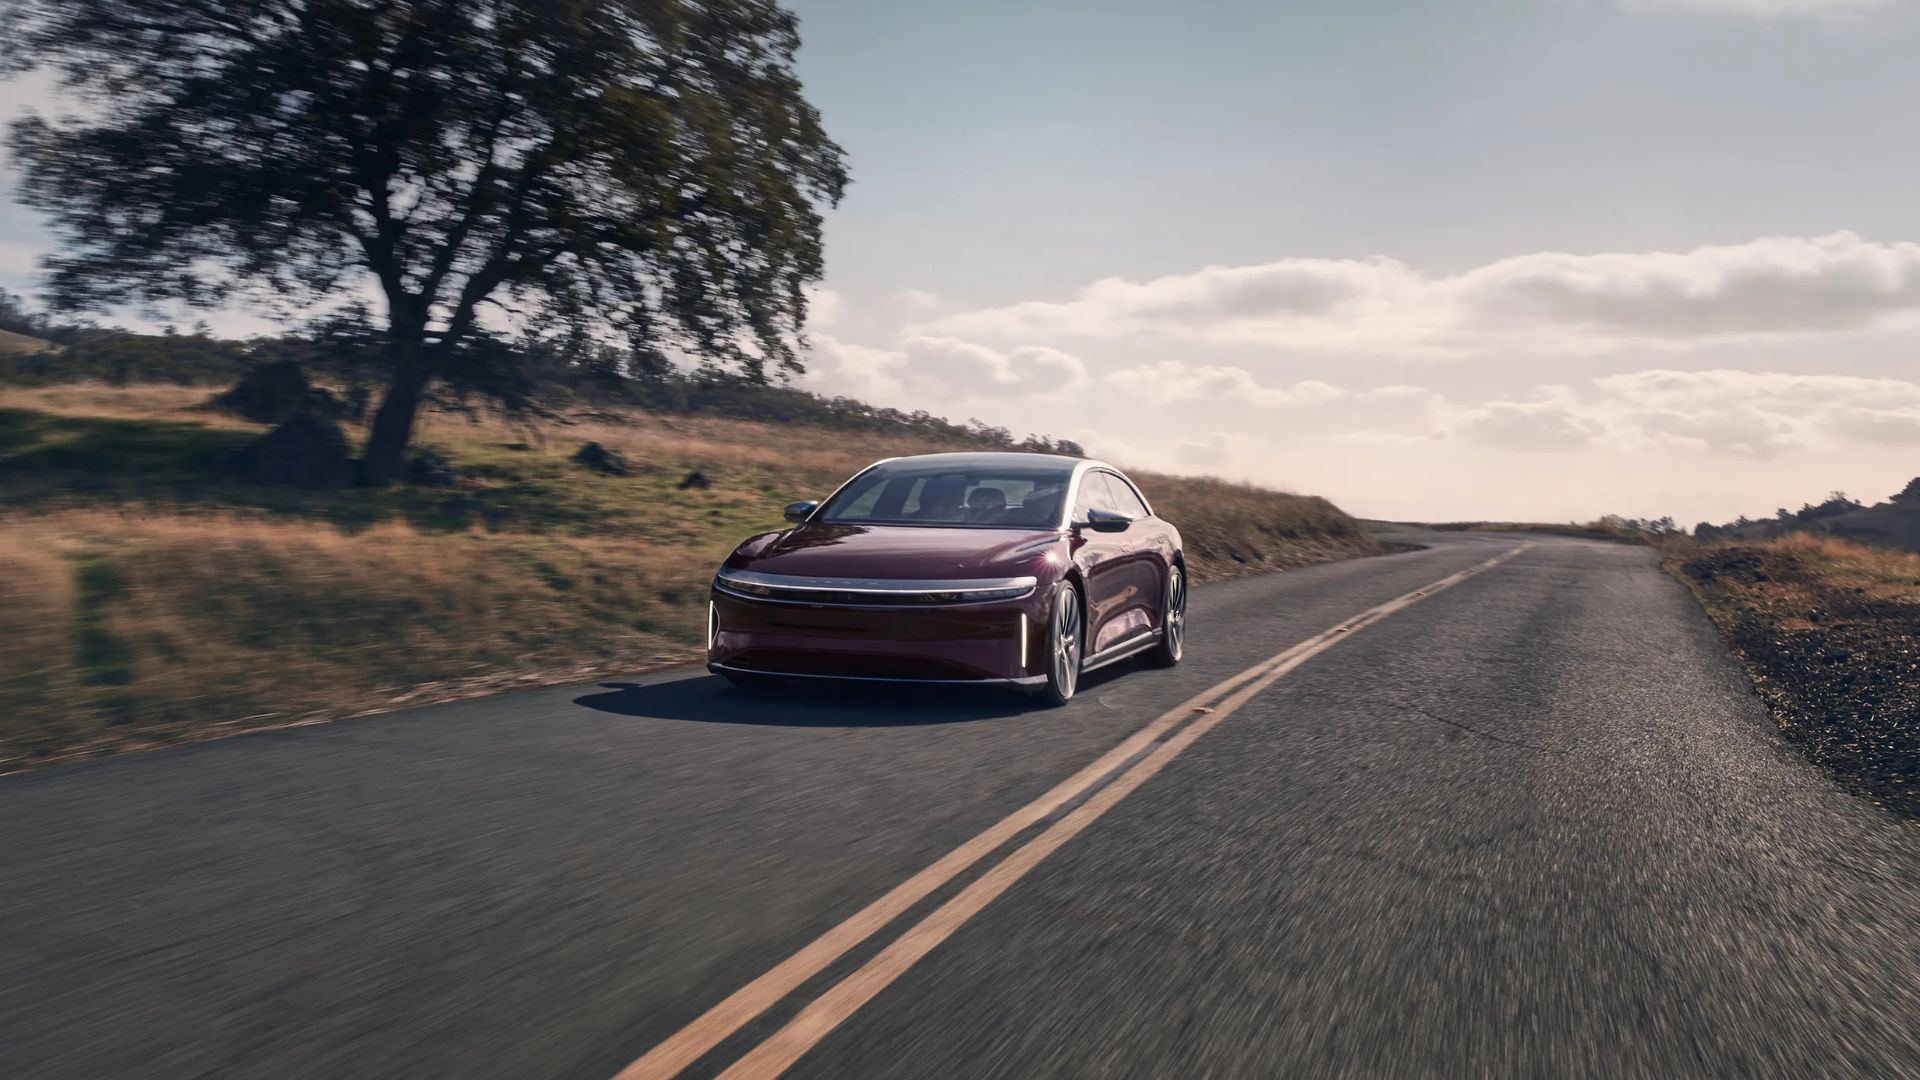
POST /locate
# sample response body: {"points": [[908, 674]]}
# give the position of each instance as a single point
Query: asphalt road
{"points": [[1531, 825]]}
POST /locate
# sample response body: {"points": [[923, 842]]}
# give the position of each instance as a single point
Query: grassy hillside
{"points": [[1592, 530], [1830, 631], [147, 598], [12, 344]]}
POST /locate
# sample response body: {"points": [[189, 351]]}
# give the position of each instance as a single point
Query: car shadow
{"points": [[710, 699]]}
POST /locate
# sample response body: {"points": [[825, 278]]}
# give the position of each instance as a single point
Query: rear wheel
{"points": [[1066, 645], [1173, 622]]}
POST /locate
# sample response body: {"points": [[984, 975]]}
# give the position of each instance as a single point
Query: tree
{"points": [[637, 171]]}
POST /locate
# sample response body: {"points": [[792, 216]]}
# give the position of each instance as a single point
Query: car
{"points": [[1009, 569]]}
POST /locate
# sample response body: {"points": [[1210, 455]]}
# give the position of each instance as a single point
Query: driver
{"points": [[986, 504], [940, 499]]}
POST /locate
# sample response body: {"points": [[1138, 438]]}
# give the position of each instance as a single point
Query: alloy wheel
{"points": [[1176, 627], [1065, 656]]}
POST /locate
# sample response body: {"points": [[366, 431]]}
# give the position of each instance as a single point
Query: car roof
{"points": [[986, 459]]}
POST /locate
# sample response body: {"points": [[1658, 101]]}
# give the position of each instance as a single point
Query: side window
{"points": [[1125, 498], [1094, 495]]}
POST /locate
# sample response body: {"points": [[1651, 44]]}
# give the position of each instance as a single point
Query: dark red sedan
{"points": [[1024, 570]]}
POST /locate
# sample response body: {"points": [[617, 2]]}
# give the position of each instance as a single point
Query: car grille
{"points": [[855, 592]]}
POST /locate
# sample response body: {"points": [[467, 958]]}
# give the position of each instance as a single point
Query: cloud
{"points": [[941, 368], [947, 363], [823, 307], [1757, 414], [1174, 381], [1766, 9], [1772, 285], [1292, 301], [916, 299], [1213, 450], [1554, 422], [1767, 288]]}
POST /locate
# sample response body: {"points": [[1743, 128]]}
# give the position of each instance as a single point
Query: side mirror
{"points": [[799, 511], [1107, 521]]}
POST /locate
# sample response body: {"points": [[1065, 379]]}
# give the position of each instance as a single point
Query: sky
{"points": [[1480, 259]]}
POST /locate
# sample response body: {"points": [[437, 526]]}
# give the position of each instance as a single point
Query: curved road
{"points": [[1531, 824]]}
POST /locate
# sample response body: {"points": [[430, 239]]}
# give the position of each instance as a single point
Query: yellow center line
{"points": [[785, 1046]]}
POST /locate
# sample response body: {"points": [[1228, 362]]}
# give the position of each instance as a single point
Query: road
{"points": [[1532, 824]]}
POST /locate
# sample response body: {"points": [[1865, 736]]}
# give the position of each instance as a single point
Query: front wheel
{"points": [[1173, 622], [1065, 645]]}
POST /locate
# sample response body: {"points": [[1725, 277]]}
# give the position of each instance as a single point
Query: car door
{"points": [[1108, 564], [1140, 562]]}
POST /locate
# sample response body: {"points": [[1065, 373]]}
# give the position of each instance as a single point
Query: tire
{"points": [[1173, 623], [1066, 645]]}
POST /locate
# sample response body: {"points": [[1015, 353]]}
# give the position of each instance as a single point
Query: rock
{"points": [[306, 451], [275, 392], [603, 459], [696, 479], [517, 447], [430, 468]]}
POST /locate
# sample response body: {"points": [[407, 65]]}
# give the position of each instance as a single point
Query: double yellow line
{"points": [[780, 1050]]}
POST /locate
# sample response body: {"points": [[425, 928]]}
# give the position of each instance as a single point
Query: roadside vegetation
{"points": [[1610, 528], [148, 596], [1830, 631]]}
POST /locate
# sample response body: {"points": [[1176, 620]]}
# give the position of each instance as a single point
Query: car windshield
{"points": [[933, 493]]}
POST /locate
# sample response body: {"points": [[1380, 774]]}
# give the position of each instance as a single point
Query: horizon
{"points": [[1526, 260]]}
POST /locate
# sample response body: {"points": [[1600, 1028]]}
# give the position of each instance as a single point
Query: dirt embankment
{"points": [[1830, 632], [147, 599]]}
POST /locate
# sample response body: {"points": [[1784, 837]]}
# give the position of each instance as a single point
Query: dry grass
{"points": [[131, 629], [146, 599], [1830, 632], [100, 400], [12, 343], [1838, 563], [1231, 529], [1592, 530]]}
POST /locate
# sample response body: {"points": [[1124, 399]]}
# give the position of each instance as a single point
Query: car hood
{"points": [[896, 551]]}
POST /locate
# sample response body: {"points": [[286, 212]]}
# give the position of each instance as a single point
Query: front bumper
{"points": [[995, 643]]}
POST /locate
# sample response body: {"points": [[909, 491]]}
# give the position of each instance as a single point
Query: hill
{"points": [[1894, 524], [12, 344], [151, 598]]}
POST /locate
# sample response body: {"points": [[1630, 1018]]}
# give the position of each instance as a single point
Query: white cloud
{"points": [[1758, 414], [918, 300], [824, 306], [941, 369], [950, 364], [1172, 380], [1766, 9], [1772, 287], [851, 370], [1289, 302], [1554, 421], [1213, 450]]}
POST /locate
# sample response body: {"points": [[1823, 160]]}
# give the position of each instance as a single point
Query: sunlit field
{"points": [[147, 597]]}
